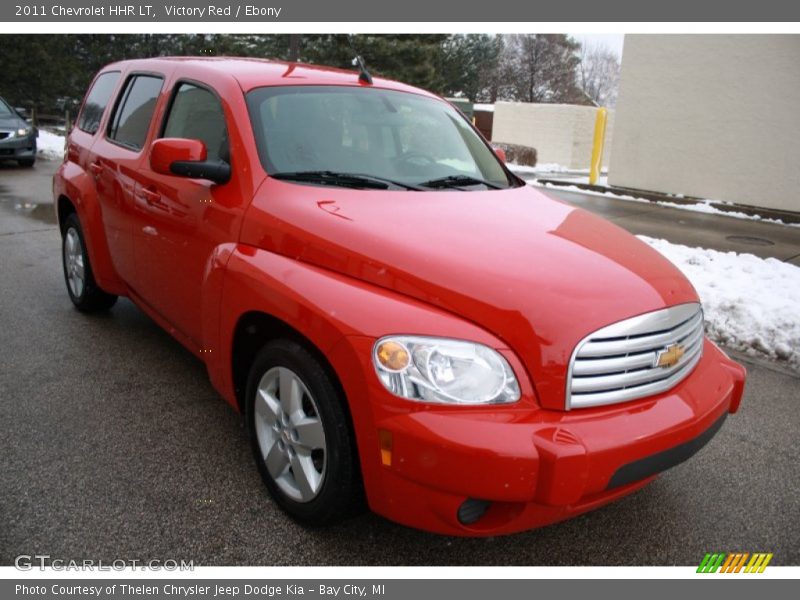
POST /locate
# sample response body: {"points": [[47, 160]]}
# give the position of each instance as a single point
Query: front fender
{"points": [[323, 306], [75, 184]]}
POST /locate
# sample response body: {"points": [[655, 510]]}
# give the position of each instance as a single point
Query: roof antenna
{"points": [[363, 74]]}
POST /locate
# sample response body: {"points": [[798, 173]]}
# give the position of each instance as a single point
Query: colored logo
{"points": [[734, 562], [669, 356]]}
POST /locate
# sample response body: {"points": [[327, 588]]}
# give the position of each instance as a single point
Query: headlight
{"points": [[442, 370], [22, 132]]}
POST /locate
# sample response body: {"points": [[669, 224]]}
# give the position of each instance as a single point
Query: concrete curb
{"points": [[783, 215]]}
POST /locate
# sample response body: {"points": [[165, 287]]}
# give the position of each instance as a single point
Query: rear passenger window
{"points": [[197, 114], [96, 102], [135, 111]]}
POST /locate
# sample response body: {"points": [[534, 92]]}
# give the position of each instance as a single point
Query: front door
{"points": [[185, 220]]}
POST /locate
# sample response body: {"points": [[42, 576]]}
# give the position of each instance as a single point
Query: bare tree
{"points": [[598, 74], [541, 68]]}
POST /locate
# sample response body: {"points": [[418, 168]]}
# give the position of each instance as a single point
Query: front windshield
{"points": [[5, 109], [395, 136]]}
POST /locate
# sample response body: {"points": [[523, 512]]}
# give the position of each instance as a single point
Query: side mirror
{"points": [[186, 158], [501, 154]]}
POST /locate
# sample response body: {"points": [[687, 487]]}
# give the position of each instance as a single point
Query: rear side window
{"points": [[135, 111], [96, 102], [197, 114]]}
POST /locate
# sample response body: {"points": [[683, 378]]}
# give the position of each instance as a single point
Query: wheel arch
{"points": [[64, 208], [252, 332], [74, 191]]}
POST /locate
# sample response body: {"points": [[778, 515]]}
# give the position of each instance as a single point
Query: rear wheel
{"points": [[81, 286], [301, 435]]}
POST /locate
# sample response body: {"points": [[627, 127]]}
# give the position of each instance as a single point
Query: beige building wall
{"points": [[714, 116], [561, 133]]}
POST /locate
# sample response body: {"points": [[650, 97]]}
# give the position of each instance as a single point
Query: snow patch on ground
{"points": [[704, 206], [751, 304], [49, 146]]}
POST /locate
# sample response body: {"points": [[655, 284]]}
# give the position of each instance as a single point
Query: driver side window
{"points": [[197, 114]]}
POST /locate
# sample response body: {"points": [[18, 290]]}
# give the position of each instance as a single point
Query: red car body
{"points": [[530, 277]]}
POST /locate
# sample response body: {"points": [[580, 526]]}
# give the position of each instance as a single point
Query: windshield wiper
{"points": [[356, 180], [455, 181]]}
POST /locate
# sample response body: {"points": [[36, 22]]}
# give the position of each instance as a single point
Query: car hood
{"points": [[11, 122], [537, 273]]}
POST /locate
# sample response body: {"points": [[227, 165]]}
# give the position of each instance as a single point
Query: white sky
{"points": [[610, 40]]}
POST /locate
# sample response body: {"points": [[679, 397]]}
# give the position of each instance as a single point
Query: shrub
{"points": [[517, 154]]}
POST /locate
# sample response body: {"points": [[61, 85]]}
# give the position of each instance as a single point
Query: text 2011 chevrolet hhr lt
{"points": [[398, 316]]}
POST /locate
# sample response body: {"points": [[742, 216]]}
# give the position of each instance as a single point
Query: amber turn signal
{"points": [[392, 356], [386, 447]]}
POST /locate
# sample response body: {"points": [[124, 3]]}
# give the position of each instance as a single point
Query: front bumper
{"points": [[18, 147], [531, 466]]}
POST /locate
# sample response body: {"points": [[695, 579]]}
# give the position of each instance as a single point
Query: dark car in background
{"points": [[17, 136]]}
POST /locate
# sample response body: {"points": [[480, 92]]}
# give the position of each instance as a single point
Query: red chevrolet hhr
{"points": [[399, 318]]}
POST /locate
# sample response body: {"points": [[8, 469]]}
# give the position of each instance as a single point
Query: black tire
{"points": [[341, 493], [90, 298], [26, 162]]}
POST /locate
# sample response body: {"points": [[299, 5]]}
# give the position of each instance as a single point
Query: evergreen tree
{"points": [[411, 59], [51, 72], [470, 65]]}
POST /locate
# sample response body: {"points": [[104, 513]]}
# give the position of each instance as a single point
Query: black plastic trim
{"points": [[656, 463]]}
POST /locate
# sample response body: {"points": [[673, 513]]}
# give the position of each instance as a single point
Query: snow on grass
{"points": [[50, 146], [557, 171], [751, 304], [704, 206], [539, 168], [580, 190]]}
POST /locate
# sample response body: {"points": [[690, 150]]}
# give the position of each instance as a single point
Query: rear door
{"points": [[88, 124], [114, 160]]}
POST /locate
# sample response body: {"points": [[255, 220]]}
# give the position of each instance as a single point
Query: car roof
{"points": [[252, 73]]}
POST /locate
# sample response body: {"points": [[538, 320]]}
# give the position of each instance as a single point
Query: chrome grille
{"points": [[620, 362]]}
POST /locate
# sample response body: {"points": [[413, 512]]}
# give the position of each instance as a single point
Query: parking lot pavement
{"points": [[114, 445], [26, 197]]}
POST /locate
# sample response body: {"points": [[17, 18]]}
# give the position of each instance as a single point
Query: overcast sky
{"points": [[610, 40]]}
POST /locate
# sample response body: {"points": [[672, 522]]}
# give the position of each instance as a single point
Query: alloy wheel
{"points": [[290, 434], [74, 262]]}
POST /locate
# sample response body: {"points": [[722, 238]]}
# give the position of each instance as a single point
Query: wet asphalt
{"points": [[114, 445]]}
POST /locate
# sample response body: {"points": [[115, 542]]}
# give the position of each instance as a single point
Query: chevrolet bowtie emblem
{"points": [[669, 356]]}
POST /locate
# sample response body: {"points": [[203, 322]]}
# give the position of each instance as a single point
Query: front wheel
{"points": [[301, 435], [81, 286]]}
